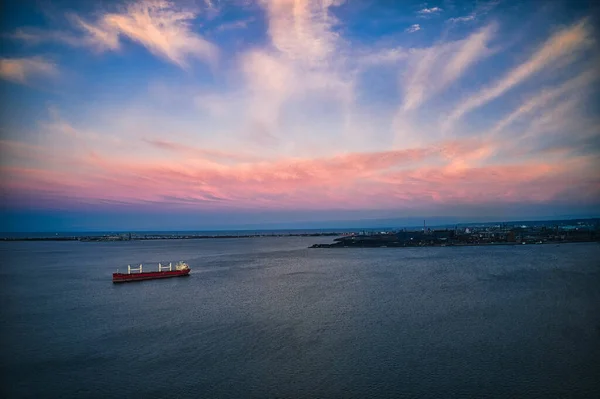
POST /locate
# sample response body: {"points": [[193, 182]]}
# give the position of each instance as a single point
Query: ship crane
{"points": [[161, 267], [135, 269]]}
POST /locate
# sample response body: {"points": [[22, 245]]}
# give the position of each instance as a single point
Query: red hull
{"points": [[124, 277]]}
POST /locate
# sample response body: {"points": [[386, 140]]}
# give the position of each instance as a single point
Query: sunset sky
{"points": [[214, 114]]}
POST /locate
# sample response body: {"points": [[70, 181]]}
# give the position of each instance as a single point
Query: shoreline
{"points": [[483, 244]]}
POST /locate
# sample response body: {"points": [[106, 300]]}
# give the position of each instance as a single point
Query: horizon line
{"points": [[331, 229]]}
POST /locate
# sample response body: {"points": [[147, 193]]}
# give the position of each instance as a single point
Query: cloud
{"points": [[96, 37], [482, 8], [57, 126], [274, 84], [210, 4], [22, 70], [557, 118], [164, 30], [270, 80], [240, 24], [429, 11], [158, 25], [433, 69], [190, 151], [546, 97], [382, 56], [385, 179], [100, 37], [413, 28], [302, 29], [251, 184], [302, 61], [466, 18], [468, 52], [36, 36], [562, 44]]}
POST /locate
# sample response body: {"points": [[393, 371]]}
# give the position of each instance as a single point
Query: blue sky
{"points": [[229, 113]]}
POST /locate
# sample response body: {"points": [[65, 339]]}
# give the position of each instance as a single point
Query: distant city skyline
{"points": [[208, 114]]}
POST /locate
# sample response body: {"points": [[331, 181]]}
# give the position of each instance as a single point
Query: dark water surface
{"points": [[268, 317]]}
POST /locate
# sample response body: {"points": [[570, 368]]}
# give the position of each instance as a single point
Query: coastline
{"points": [[472, 234], [482, 244]]}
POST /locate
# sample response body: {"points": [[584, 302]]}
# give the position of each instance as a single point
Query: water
{"points": [[267, 317], [271, 232]]}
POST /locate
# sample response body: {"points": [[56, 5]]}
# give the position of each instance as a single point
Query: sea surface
{"points": [[216, 233], [270, 318]]}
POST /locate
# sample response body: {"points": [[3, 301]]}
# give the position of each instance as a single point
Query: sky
{"points": [[204, 114]]}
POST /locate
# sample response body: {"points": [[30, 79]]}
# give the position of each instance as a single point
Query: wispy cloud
{"points": [[546, 97], [22, 70], [56, 124], [234, 25], [481, 9], [164, 30], [95, 37], [302, 61], [466, 18], [382, 56], [36, 36], [302, 29], [429, 11], [159, 25], [413, 28], [435, 68], [270, 81], [190, 151], [210, 4], [99, 37], [562, 44]]}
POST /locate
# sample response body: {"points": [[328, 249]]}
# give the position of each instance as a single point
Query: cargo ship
{"points": [[164, 271]]}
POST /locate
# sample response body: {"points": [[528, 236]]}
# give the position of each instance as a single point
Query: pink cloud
{"points": [[199, 152], [384, 180], [22, 70]]}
